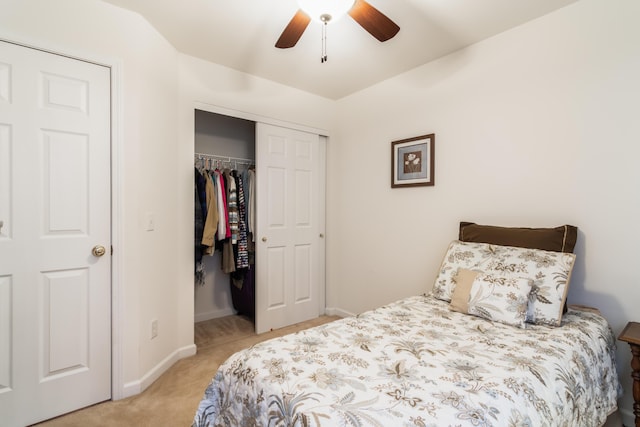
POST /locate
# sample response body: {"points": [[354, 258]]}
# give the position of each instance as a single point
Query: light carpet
{"points": [[172, 400]]}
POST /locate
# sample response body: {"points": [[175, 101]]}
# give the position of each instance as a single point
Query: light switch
{"points": [[150, 221]]}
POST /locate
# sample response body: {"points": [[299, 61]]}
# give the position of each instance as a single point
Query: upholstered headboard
{"points": [[557, 239]]}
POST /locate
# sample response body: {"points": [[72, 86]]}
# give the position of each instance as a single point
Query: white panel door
{"points": [[55, 302], [290, 227]]}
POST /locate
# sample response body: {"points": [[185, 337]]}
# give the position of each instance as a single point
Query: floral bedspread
{"points": [[416, 363]]}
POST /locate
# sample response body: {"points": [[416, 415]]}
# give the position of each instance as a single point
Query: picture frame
{"points": [[413, 161]]}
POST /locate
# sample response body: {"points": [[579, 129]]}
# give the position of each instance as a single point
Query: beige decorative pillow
{"points": [[460, 297], [492, 297], [550, 272]]}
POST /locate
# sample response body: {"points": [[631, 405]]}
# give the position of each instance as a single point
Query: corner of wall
{"points": [[138, 386]]}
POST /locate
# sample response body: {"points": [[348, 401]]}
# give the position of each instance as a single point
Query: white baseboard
{"points": [[213, 314], [136, 387], [628, 419], [333, 311]]}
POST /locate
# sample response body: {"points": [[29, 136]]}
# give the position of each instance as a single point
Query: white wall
{"points": [[537, 126], [221, 89]]}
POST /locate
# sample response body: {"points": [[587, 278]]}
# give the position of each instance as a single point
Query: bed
{"points": [[509, 355]]}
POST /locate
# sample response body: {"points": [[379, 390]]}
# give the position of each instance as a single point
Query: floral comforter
{"points": [[416, 363]]}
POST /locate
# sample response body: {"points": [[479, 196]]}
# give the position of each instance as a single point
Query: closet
{"points": [[287, 276], [219, 138]]}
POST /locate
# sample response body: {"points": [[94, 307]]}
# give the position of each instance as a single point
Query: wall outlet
{"points": [[154, 328]]}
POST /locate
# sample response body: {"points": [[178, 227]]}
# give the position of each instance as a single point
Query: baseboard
{"points": [[213, 314], [136, 387], [628, 419], [333, 311]]}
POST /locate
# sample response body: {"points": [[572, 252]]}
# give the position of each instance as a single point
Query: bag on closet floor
{"points": [[242, 283]]}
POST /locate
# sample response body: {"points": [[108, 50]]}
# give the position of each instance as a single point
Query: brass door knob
{"points": [[98, 251], [264, 239]]}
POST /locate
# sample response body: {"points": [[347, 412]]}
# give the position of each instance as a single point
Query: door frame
{"points": [[238, 114], [116, 149], [325, 137]]}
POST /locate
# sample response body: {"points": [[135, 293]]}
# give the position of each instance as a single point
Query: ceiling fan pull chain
{"points": [[323, 56]]}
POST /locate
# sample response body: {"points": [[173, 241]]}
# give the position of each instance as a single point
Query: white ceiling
{"points": [[241, 34]]}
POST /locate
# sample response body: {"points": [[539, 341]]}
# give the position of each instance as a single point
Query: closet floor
{"points": [[223, 330]]}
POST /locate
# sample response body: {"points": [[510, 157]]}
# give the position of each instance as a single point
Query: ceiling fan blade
{"points": [[374, 21], [293, 31]]}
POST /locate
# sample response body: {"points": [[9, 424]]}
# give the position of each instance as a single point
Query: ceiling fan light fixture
{"points": [[324, 11], [319, 9]]}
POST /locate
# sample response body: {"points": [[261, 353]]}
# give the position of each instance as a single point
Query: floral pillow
{"points": [[550, 272], [492, 297]]}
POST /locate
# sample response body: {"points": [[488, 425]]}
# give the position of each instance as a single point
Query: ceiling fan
{"points": [[369, 18]]}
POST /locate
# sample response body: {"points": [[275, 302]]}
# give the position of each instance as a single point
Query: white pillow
{"points": [[549, 271]]}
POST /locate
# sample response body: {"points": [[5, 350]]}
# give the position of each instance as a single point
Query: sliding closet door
{"points": [[290, 226]]}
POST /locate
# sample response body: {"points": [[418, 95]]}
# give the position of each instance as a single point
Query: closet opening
{"points": [[283, 283], [224, 270]]}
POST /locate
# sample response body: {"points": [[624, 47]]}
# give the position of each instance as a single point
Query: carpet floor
{"points": [[173, 398]]}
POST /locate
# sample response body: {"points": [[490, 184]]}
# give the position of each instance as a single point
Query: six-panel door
{"points": [[55, 301]]}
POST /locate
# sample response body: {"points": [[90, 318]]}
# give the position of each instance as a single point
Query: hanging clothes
{"points": [[251, 174], [225, 220], [242, 257], [199, 212], [228, 254], [211, 222], [223, 214], [232, 205], [225, 223], [248, 178]]}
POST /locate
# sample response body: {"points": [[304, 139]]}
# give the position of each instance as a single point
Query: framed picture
{"points": [[412, 161]]}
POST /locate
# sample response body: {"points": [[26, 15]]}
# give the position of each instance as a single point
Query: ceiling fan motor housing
{"points": [[325, 10]]}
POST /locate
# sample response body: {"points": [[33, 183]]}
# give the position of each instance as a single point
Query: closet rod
{"points": [[224, 159]]}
